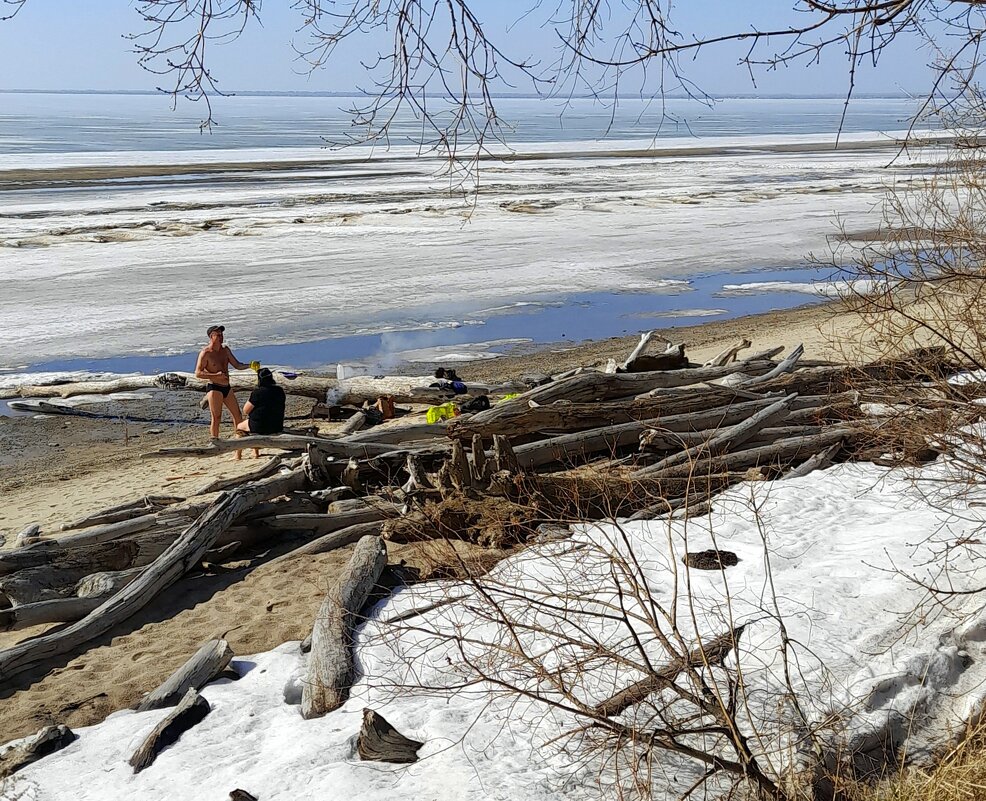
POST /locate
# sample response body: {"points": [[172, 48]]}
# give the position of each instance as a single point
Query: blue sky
{"points": [[68, 44]]}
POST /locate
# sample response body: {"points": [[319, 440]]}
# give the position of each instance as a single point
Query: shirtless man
{"points": [[213, 366]]}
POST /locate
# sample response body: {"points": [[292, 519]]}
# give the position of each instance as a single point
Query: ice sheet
{"points": [[144, 265]]}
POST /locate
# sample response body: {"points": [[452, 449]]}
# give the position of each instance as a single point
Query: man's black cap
{"points": [[265, 376], [212, 328]]}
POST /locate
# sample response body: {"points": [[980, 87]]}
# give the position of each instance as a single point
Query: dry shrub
{"points": [[959, 776]]}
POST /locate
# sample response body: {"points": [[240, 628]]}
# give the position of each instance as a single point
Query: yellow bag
{"points": [[442, 412]]}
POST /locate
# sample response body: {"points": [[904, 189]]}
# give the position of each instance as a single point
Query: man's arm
{"points": [[234, 361], [247, 408], [202, 373]]}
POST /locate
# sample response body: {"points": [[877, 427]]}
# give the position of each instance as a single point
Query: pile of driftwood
{"points": [[655, 436]]}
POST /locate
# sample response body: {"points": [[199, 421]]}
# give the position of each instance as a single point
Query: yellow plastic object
{"points": [[510, 396], [442, 412], [255, 365]]}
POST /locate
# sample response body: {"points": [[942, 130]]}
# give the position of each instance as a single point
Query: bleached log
{"points": [[562, 417], [115, 555], [454, 475], [504, 458], [291, 505], [781, 451], [330, 495], [610, 438], [191, 710], [819, 461], [725, 439], [47, 741], [105, 583], [479, 467], [56, 610], [325, 524], [353, 424], [27, 534], [787, 365], [355, 391], [641, 346], [353, 504], [68, 390], [107, 532], [126, 511], [729, 354], [595, 386], [334, 540], [713, 652], [378, 741], [181, 556], [697, 441], [672, 358], [601, 387], [418, 477], [285, 442], [203, 666], [350, 475], [268, 468], [399, 433], [330, 663]]}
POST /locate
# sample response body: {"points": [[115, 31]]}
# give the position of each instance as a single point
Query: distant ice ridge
{"points": [[466, 352], [687, 145], [828, 289], [840, 543]]}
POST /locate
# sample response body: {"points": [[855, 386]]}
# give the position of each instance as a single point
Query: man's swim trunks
{"points": [[223, 388]]}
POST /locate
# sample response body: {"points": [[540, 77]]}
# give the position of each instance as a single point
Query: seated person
{"points": [[449, 382], [265, 409]]}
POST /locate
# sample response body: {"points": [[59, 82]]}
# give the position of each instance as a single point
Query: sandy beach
{"points": [[56, 469]]}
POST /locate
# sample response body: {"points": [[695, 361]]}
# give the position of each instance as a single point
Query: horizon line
{"points": [[900, 95]]}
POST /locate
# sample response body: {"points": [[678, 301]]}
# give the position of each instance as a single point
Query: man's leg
{"points": [[215, 400], [234, 409]]}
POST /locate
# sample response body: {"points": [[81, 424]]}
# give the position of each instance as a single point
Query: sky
{"points": [[68, 44]]}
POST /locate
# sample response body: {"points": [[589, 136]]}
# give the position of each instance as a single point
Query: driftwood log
{"points": [[57, 610], [286, 442], [355, 391], [781, 451], [379, 741], [182, 555], [46, 741], [105, 583], [83, 560], [330, 663], [610, 438], [218, 485], [334, 540], [207, 662], [562, 416], [726, 438], [124, 511], [191, 710], [327, 523], [712, 652], [594, 386]]}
